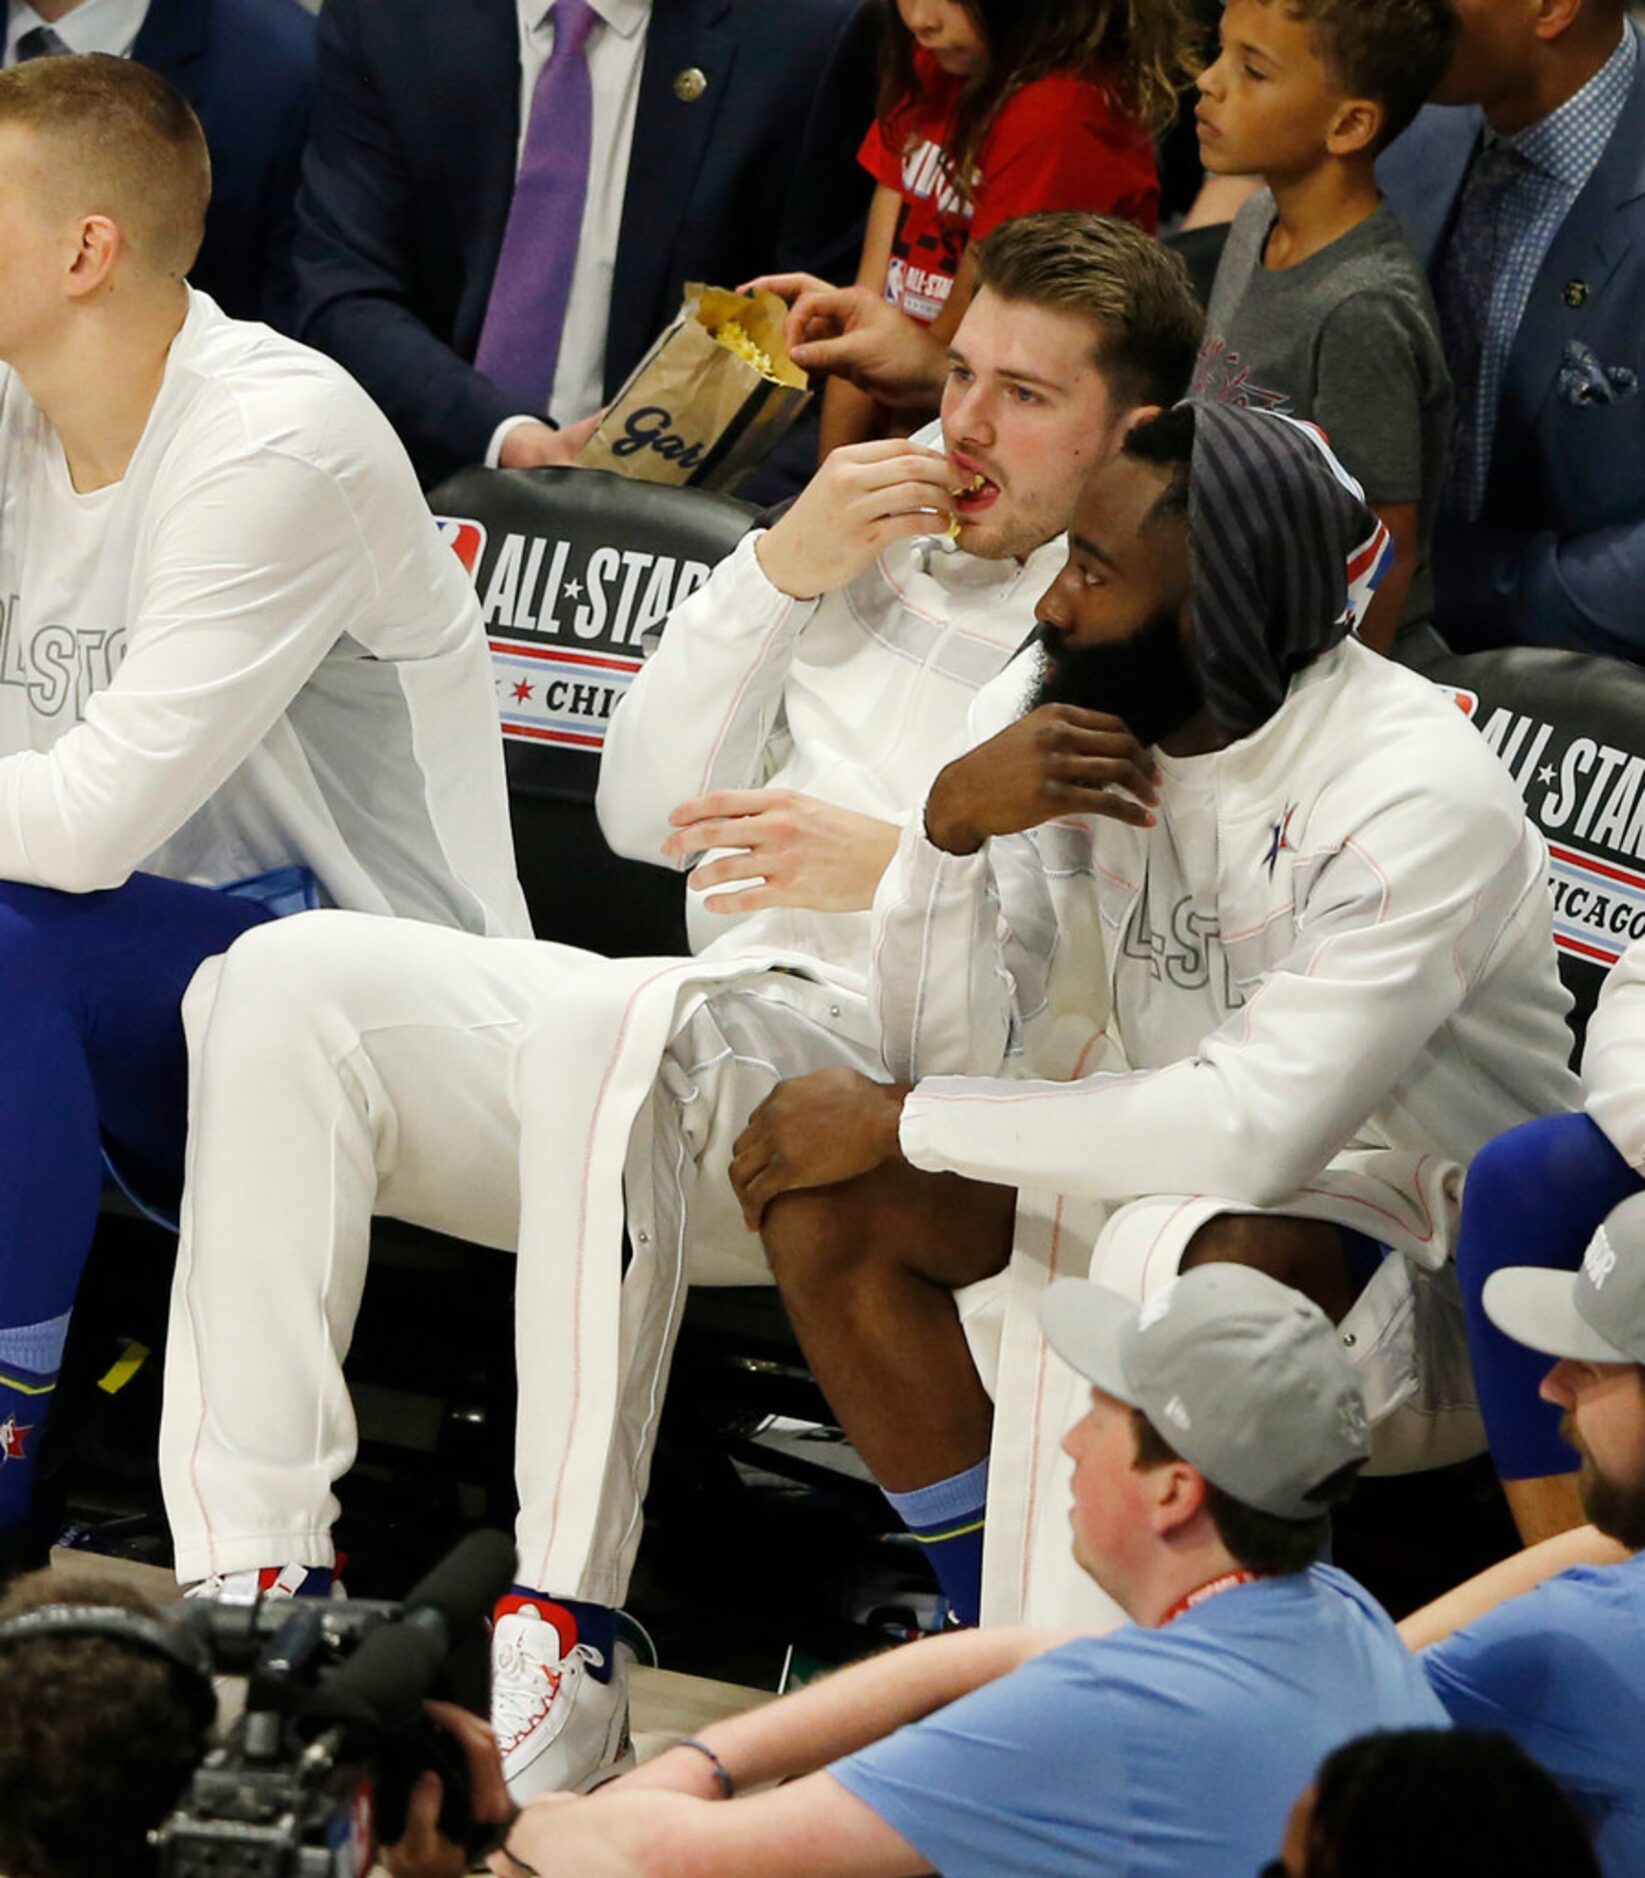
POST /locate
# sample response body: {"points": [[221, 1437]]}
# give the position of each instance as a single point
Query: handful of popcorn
{"points": [[970, 489], [713, 395]]}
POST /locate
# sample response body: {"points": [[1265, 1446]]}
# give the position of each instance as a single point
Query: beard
{"points": [[1148, 681], [1616, 1507]]}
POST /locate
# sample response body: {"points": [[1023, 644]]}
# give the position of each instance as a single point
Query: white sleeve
{"points": [[255, 570], [939, 987], [1613, 1059], [1392, 929], [979, 926], [706, 710], [494, 449]]}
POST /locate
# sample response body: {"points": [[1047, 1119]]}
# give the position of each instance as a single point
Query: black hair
{"points": [[1167, 442], [97, 1743], [1442, 1800], [1392, 51]]}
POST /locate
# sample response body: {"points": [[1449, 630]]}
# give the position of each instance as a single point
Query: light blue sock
{"points": [[947, 1519]]}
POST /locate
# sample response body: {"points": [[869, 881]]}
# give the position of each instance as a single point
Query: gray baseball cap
{"points": [[1244, 1377], [1597, 1316]]}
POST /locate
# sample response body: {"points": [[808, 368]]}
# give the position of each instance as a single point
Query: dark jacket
{"points": [[247, 67], [410, 172], [1557, 556]]}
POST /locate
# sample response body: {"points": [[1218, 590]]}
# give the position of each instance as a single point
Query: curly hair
{"points": [[97, 1743], [1395, 51], [1142, 52]]}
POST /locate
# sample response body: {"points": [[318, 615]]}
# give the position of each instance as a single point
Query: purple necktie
{"points": [[525, 316]]}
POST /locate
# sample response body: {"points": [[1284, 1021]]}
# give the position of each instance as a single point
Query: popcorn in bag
{"points": [[715, 393]]}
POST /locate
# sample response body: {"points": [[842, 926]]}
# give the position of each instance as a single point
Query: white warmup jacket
{"points": [[472, 1087], [859, 698], [252, 651], [1356, 939], [1613, 1058], [851, 697]]}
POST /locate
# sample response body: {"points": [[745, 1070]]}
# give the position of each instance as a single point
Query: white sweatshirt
{"points": [[252, 651], [859, 698], [1348, 910], [1613, 1058]]}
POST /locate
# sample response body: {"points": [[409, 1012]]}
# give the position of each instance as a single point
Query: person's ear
{"points": [[1356, 126], [100, 246], [1179, 1497], [1143, 414], [1555, 18]]}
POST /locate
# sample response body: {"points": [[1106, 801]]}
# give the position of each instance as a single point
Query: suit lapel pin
{"points": [[1576, 293], [690, 84]]}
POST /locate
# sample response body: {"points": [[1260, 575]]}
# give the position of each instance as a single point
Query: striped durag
{"points": [[1284, 556]]}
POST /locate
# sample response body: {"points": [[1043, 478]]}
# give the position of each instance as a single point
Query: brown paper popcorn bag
{"points": [[711, 397]]}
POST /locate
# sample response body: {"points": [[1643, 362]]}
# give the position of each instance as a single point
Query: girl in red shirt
{"points": [[994, 108]]}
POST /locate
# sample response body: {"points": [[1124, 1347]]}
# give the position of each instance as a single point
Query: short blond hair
{"points": [[1135, 292], [124, 144]]}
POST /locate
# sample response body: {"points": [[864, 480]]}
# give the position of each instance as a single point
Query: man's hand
{"points": [[423, 1851], [1058, 760], [538, 446], [856, 334], [865, 496], [568, 1835], [815, 1131], [808, 852]]}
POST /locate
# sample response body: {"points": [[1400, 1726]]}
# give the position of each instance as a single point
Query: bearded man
{"points": [[1562, 1668], [1299, 888]]}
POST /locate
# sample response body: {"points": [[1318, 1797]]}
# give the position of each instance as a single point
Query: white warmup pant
{"points": [[1405, 1333], [345, 1065], [670, 1064]]}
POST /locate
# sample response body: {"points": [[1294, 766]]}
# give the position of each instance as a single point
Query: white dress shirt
{"points": [[616, 56], [108, 26]]}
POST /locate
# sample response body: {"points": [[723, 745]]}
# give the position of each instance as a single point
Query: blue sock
{"points": [[593, 1624], [30, 1357], [947, 1519]]}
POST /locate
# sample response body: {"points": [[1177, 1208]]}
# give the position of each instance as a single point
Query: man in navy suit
{"points": [[247, 67], [1526, 198], [724, 137]]}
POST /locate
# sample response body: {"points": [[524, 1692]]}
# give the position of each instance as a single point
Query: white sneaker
{"points": [[558, 1728], [272, 1582]]}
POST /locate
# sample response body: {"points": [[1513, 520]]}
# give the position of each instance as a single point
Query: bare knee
{"points": [[1306, 1254], [814, 1237]]}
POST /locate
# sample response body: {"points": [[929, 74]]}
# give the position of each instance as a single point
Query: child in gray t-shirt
{"points": [[1319, 309]]}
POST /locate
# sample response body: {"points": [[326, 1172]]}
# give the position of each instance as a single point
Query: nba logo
{"points": [[467, 539], [1467, 702]]}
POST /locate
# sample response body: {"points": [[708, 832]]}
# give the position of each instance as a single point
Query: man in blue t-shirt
{"points": [[1562, 1668], [1173, 1747]]}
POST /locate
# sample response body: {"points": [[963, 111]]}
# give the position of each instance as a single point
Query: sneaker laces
{"points": [[524, 1689]]}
